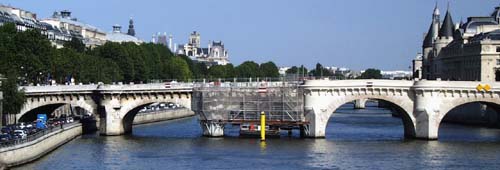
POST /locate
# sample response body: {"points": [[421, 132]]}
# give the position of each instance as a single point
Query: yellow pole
{"points": [[262, 126]]}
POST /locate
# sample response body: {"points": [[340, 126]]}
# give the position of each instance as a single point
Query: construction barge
{"points": [[240, 104]]}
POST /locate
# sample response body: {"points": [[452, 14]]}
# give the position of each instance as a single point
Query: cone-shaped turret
{"points": [[429, 38], [447, 26]]}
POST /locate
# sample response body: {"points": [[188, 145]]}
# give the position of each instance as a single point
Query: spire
{"points": [[131, 30], [428, 40], [436, 9], [447, 27]]}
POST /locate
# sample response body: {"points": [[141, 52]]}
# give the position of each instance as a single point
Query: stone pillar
{"points": [[318, 119], [360, 104], [317, 111], [111, 125], [212, 128], [427, 115], [111, 121]]}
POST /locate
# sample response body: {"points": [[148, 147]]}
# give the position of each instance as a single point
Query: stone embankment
{"points": [[31, 150]]}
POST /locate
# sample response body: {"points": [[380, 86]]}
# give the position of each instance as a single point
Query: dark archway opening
{"points": [[471, 121], [63, 110], [150, 112], [31, 115], [380, 120]]}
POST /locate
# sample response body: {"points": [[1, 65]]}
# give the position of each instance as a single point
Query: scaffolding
{"points": [[242, 102]]}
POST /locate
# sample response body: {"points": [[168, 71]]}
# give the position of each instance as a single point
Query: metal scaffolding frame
{"points": [[242, 102]]}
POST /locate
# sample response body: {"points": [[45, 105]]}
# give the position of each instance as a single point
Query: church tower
{"points": [[445, 37], [429, 42], [194, 39], [131, 30]]}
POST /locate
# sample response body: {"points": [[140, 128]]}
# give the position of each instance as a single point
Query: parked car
{"points": [[21, 134], [5, 137], [7, 129]]}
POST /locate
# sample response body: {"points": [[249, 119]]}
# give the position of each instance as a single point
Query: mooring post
{"points": [[262, 126]]}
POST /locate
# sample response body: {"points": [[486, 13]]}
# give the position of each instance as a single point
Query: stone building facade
{"points": [[91, 35], [215, 54], [467, 51]]}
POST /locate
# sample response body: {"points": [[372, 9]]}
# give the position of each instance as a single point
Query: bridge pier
{"points": [[360, 103], [318, 119], [112, 124], [212, 128], [427, 115]]}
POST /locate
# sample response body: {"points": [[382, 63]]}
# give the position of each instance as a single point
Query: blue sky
{"points": [[358, 34]]}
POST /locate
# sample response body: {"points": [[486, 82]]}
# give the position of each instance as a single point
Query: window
{"points": [[498, 49], [498, 61]]}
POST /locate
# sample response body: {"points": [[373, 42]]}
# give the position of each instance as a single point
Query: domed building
{"points": [[118, 36]]}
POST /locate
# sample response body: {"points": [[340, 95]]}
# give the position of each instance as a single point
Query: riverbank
{"points": [[23, 153]]}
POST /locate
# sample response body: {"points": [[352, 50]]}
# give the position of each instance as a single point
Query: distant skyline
{"points": [[358, 34]]}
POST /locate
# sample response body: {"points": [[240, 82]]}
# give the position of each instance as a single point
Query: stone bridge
{"points": [[423, 104], [115, 105]]}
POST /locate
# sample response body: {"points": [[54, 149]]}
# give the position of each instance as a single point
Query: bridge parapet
{"points": [[40, 90], [454, 85], [145, 88], [357, 83]]}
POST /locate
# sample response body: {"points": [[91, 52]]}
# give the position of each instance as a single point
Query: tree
{"points": [[297, 70], [13, 98], [371, 73], [230, 71], [269, 69], [217, 71], [321, 71], [75, 44], [178, 69], [247, 69]]}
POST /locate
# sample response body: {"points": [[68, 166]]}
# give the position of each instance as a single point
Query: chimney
{"points": [[117, 28], [66, 14]]}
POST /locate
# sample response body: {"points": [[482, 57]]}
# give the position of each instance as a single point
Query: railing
{"points": [[35, 136]]}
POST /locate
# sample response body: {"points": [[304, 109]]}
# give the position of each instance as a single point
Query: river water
{"points": [[356, 139]]}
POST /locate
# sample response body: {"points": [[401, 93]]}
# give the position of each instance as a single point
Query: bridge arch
{"points": [[404, 108], [129, 107], [448, 106], [33, 107], [131, 111], [320, 106]]}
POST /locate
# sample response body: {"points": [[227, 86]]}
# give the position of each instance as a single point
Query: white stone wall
{"points": [[28, 152]]}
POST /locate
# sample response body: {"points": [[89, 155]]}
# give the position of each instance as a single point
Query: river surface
{"points": [[355, 139]]}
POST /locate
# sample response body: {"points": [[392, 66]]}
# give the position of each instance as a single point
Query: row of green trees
{"points": [[32, 58], [321, 71]]}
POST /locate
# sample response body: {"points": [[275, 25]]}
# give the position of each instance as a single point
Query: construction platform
{"points": [[241, 103]]}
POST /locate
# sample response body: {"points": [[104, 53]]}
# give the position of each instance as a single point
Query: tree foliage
{"points": [[13, 98], [321, 71], [248, 69], [269, 69], [371, 73], [33, 58], [298, 70]]}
